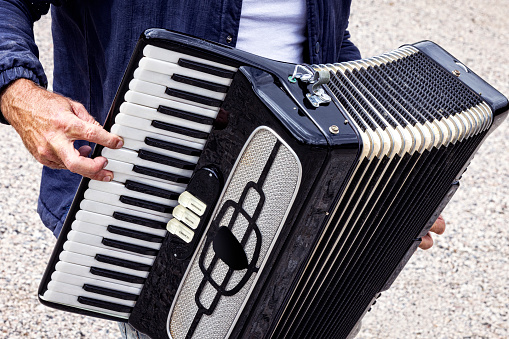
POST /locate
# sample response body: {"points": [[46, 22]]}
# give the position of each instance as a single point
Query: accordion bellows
{"points": [[419, 126], [260, 199]]}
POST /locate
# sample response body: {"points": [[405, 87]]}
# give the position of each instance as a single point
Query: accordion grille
{"points": [[254, 206], [419, 126]]}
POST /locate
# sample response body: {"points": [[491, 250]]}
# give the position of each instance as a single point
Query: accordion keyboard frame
{"points": [[372, 170]]}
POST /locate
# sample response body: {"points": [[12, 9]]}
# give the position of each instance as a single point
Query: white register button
{"points": [[186, 216], [180, 230], [189, 201]]}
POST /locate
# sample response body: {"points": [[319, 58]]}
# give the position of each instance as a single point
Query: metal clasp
{"points": [[317, 94]]}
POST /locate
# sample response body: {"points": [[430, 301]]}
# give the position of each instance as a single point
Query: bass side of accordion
{"points": [[257, 199]]}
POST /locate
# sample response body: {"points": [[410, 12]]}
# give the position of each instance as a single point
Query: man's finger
{"points": [[426, 242], [438, 226], [80, 111], [85, 150], [90, 168], [53, 165], [82, 130]]}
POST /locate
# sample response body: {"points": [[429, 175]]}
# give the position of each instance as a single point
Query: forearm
{"points": [[49, 123], [18, 51], [17, 101]]}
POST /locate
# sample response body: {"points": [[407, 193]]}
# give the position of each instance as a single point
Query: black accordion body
{"points": [[261, 199]]}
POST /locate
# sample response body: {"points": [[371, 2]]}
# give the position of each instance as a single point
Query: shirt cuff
{"points": [[15, 73]]}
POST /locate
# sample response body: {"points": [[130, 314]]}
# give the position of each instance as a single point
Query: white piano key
{"points": [[145, 125], [85, 260], [148, 74], [114, 199], [84, 271], [97, 207], [136, 145], [61, 287], [152, 114], [177, 188], [104, 220], [89, 250], [149, 88], [119, 189], [131, 157], [160, 91], [140, 135], [96, 241], [71, 300], [145, 99], [80, 281], [122, 167], [119, 167], [172, 56], [99, 230], [169, 68]]}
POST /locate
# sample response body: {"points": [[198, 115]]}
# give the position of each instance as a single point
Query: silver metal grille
{"points": [[264, 156]]}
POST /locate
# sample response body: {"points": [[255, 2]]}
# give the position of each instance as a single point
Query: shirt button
{"points": [[229, 39], [317, 47]]}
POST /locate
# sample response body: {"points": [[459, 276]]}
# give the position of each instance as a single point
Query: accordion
{"points": [[262, 199]]}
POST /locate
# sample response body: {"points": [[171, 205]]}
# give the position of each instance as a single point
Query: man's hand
{"points": [[438, 228], [49, 123]]}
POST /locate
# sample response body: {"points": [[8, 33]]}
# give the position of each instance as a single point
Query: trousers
{"points": [[129, 332]]}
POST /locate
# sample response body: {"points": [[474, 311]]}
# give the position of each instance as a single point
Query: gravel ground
{"points": [[458, 289]]}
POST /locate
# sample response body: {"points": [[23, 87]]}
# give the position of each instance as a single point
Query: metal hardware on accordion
{"points": [[256, 199]]}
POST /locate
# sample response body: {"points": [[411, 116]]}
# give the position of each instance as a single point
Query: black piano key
{"points": [[139, 220], [160, 174], [104, 304], [134, 234], [172, 147], [200, 83], [151, 190], [180, 130], [165, 160], [122, 262], [109, 292], [128, 247], [193, 97], [197, 66], [177, 113], [116, 275], [146, 204]]}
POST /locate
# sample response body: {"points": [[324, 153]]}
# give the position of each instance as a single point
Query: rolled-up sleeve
{"points": [[18, 51]]}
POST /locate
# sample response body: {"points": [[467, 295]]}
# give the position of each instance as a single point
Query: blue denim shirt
{"points": [[93, 41]]}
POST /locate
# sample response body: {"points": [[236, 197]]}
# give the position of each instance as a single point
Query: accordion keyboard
{"points": [[165, 119]]}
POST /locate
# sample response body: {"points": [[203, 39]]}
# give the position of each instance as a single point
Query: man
{"points": [[93, 41]]}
